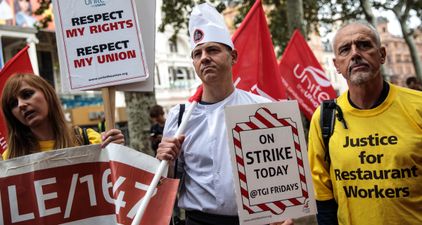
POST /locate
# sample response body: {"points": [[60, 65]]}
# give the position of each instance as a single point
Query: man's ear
{"points": [[334, 61], [233, 54], [383, 54]]}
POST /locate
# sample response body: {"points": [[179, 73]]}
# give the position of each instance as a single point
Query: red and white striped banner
{"points": [[264, 119], [83, 185]]}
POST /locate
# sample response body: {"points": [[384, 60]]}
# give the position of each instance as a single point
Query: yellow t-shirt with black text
{"points": [[376, 164]]}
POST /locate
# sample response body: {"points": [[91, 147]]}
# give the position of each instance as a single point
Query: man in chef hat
{"points": [[207, 192]]}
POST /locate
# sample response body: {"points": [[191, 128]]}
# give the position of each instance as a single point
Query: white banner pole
{"points": [[160, 170]]}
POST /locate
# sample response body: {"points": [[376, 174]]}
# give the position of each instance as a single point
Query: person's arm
{"points": [[327, 212], [320, 171]]}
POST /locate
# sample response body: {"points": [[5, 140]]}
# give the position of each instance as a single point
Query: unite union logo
{"points": [[95, 3], [312, 81], [317, 75]]}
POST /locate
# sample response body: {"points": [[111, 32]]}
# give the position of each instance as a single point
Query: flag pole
{"points": [[109, 95], [163, 165]]}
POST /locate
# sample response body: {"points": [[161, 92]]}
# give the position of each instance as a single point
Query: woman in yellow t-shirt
{"points": [[36, 122]]}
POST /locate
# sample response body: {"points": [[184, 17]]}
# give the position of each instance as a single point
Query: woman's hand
{"points": [[114, 135]]}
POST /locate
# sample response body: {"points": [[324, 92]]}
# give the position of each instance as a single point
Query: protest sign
{"points": [[99, 43], [83, 185], [270, 165], [147, 20]]}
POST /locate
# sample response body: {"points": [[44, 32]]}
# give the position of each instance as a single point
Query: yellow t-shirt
{"points": [[93, 136], [376, 164]]}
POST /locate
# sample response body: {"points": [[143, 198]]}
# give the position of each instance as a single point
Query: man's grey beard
{"points": [[359, 78]]}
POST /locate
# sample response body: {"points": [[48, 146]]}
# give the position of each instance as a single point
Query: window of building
{"points": [[157, 75], [181, 77], [398, 58], [399, 70], [173, 46]]}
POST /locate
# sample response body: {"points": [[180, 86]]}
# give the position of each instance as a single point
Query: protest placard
{"points": [[83, 185], [270, 164], [99, 43]]}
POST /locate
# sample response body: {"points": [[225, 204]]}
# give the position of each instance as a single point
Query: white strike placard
{"points": [[270, 164], [99, 43]]}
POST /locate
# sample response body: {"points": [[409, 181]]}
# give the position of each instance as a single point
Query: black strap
{"points": [[179, 174], [327, 122], [81, 134], [181, 111], [85, 136]]}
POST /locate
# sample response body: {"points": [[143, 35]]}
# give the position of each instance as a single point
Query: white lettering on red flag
{"points": [[303, 76]]}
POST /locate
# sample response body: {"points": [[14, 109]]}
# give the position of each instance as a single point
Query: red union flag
{"points": [[20, 63], [303, 76], [256, 69], [83, 185]]}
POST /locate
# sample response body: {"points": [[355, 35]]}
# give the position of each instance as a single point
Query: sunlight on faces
{"points": [[358, 55]]}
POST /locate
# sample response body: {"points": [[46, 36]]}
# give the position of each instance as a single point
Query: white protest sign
{"points": [[146, 15], [270, 164], [83, 185], [99, 43]]}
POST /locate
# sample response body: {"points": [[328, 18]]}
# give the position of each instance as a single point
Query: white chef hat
{"points": [[207, 25]]}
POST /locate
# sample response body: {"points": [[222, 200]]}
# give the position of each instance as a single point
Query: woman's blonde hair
{"points": [[21, 140]]}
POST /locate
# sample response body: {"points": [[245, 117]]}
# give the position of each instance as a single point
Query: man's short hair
{"points": [[156, 111], [360, 22]]}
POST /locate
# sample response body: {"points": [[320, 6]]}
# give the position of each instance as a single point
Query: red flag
{"points": [[198, 94], [20, 63], [256, 69], [303, 76]]}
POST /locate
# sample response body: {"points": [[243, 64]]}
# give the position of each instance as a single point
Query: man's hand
{"points": [[169, 148], [113, 135]]}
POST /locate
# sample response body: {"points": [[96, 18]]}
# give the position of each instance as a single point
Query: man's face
{"points": [[358, 57], [213, 62]]}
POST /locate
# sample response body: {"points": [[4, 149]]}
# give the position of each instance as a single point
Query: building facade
{"points": [[174, 77], [398, 66]]}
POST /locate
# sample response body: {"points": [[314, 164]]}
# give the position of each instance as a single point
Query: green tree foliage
{"points": [[316, 13]]}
